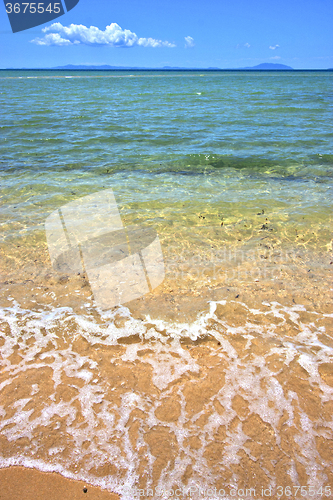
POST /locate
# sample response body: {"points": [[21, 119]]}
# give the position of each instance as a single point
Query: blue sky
{"points": [[187, 33]]}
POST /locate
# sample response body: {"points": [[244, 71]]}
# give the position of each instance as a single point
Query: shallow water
{"points": [[222, 375]]}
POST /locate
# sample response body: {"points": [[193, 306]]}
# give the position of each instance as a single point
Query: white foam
{"points": [[171, 365]]}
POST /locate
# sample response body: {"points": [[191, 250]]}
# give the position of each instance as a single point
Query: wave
{"points": [[125, 402]]}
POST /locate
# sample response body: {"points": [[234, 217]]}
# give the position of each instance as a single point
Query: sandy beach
{"points": [[30, 484], [165, 286], [240, 399]]}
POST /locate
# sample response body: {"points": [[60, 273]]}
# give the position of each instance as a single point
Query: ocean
{"points": [[212, 371]]}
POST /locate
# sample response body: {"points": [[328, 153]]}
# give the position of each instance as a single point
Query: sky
{"points": [[177, 33]]}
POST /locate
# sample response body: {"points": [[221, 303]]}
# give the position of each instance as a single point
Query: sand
{"points": [[18, 483], [248, 402]]}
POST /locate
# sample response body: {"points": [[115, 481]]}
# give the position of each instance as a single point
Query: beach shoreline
{"points": [[220, 374], [31, 484]]}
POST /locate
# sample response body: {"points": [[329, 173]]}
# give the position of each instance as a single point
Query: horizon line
{"points": [[102, 67]]}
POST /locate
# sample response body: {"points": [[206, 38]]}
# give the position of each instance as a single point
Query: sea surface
{"points": [[222, 375]]}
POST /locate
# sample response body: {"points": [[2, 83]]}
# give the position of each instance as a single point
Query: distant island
{"points": [[106, 67], [263, 66]]}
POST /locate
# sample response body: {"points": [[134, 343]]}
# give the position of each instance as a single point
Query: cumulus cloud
{"points": [[241, 45], [189, 42], [273, 47], [113, 35], [54, 39], [275, 57]]}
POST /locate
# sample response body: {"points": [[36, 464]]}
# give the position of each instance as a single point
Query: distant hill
{"points": [[107, 67], [269, 66], [263, 66]]}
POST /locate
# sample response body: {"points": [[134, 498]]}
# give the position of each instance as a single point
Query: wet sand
{"points": [[227, 385], [19, 483]]}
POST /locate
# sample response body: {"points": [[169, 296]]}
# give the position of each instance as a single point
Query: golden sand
{"points": [[18, 483], [246, 403]]}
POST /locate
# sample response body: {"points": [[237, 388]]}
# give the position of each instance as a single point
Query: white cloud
{"points": [[189, 42], [273, 47], [54, 39], [113, 35], [241, 45], [247, 45], [275, 57]]}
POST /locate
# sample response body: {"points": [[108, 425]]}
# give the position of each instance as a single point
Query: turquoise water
{"points": [[170, 145]]}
